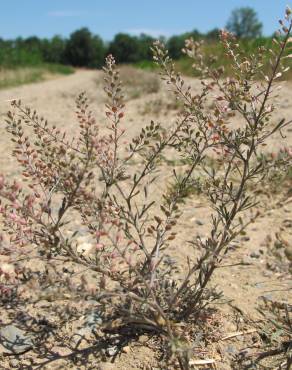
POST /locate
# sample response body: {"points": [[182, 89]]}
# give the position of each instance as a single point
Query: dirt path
{"points": [[242, 285]]}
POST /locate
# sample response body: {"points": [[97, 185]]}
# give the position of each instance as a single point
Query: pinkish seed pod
{"points": [[99, 246]]}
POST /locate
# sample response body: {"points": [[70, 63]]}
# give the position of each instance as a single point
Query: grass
{"points": [[147, 65], [184, 64], [11, 77]]}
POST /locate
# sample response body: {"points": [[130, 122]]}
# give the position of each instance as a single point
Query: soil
{"points": [[250, 272]]}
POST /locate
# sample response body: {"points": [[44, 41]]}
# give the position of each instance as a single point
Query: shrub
{"points": [[90, 179], [125, 48], [84, 49]]}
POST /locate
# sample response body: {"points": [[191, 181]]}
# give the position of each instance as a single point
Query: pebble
{"points": [[127, 349], [112, 351], [268, 297], [93, 318], [7, 268], [170, 260], [288, 252], [90, 322], [246, 260], [14, 340], [231, 349], [14, 364], [255, 254], [143, 338], [85, 248]]}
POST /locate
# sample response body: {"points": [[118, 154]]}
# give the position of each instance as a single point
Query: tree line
{"points": [[84, 49]]}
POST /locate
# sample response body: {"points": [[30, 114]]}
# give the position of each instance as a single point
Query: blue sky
{"points": [[46, 18]]}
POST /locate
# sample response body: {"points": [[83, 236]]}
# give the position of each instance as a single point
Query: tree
{"points": [[125, 48], [213, 34], [244, 23], [84, 49], [54, 49], [32, 44], [175, 45], [145, 44]]}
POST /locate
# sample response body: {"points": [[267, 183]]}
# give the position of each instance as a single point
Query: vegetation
{"points": [[10, 77], [243, 23], [126, 270], [84, 49]]}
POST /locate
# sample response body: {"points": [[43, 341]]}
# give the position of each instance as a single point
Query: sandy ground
{"points": [[242, 285]]}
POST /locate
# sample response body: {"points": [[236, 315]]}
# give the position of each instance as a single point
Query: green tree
{"points": [[84, 49], [125, 48], [145, 44], [54, 49], [213, 34], [175, 45], [244, 23]]}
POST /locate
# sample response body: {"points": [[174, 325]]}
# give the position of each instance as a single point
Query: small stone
{"points": [[61, 351], [255, 255], [127, 349], [14, 364], [245, 238], [288, 252], [199, 222], [170, 260], [112, 351], [14, 340], [89, 324], [268, 297], [85, 248], [231, 349], [7, 269], [246, 260], [143, 338], [93, 319]]}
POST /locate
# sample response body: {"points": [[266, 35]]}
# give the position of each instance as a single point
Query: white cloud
{"points": [[66, 13]]}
